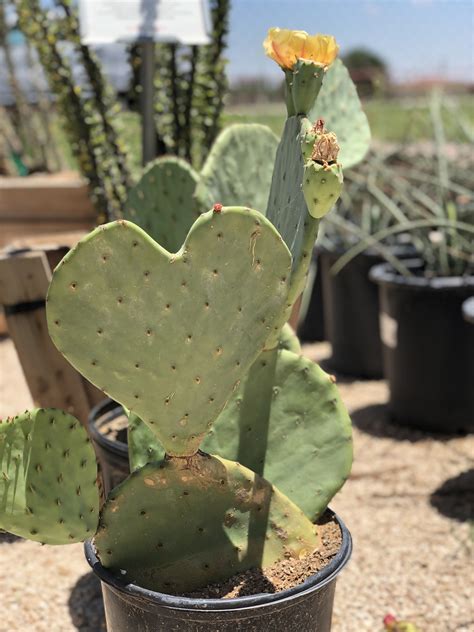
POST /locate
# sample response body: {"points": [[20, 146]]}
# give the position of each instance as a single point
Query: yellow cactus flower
{"points": [[286, 47]]}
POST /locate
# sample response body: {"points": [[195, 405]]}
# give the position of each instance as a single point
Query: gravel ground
{"points": [[409, 505]]}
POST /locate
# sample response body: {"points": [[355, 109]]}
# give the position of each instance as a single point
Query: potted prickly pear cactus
{"points": [[237, 442]]}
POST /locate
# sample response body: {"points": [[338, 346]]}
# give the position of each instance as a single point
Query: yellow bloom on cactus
{"points": [[286, 47]]}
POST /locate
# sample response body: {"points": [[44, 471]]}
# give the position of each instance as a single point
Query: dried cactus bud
{"points": [[318, 127], [325, 148]]}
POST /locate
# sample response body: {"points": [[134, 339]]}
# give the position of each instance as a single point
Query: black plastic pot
{"points": [[428, 349], [351, 315], [305, 608], [113, 454], [311, 328]]}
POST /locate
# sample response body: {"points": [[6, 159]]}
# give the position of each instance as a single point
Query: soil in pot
{"points": [[428, 349], [281, 575]]}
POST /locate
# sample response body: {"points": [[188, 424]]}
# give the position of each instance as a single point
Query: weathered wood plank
{"points": [[53, 382]]}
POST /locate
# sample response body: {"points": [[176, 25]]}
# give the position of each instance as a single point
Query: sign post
{"points": [[145, 22], [147, 100]]}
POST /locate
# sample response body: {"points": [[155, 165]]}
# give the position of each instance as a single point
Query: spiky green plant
{"points": [[33, 140], [190, 84], [193, 344], [88, 125], [105, 105]]}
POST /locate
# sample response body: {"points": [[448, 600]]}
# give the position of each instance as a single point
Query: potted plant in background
{"points": [[428, 347], [164, 335]]}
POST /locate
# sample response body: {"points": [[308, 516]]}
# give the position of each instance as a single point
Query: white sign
{"points": [[108, 21]]}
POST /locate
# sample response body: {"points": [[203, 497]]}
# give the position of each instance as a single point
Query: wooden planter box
{"points": [[25, 274], [43, 204]]}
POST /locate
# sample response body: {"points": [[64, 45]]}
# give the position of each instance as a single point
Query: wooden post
{"points": [[53, 382]]}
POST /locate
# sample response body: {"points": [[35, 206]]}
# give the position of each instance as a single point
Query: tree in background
{"points": [[368, 71]]}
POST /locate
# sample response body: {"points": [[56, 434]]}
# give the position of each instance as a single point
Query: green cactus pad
{"points": [[340, 107], [162, 333], [305, 84], [289, 340], [163, 203], [48, 488], [144, 447], [287, 422], [287, 209], [239, 167], [179, 525], [322, 186]]}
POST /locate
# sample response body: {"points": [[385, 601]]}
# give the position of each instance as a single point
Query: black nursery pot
{"points": [[311, 329], [351, 315], [428, 349], [305, 608], [113, 454]]}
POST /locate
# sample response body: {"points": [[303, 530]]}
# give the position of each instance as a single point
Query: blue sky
{"points": [[417, 38]]}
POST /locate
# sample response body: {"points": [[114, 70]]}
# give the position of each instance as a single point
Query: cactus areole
{"points": [[178, 313]]}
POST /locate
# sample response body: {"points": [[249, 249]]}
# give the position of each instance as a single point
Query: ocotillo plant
{"points": [[33, 141], [106, 107], [190, 85], [84, 124], [192, 343]]}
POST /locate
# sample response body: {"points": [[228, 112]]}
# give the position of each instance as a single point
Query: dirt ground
{"points": [[409, 505]]}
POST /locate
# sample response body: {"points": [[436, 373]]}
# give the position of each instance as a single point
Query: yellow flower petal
{"points": [[286, 46], [322, 49]]}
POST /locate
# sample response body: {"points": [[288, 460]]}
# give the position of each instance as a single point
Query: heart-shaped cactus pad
{"points": [[169, 336]]}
